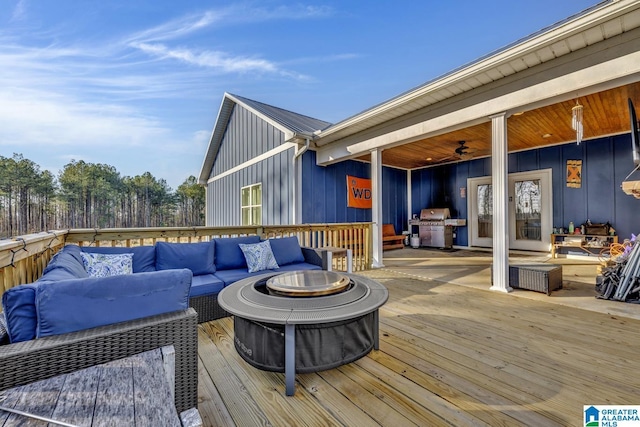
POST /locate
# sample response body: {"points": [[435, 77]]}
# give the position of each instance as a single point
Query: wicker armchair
{"points": [[42, 358]]}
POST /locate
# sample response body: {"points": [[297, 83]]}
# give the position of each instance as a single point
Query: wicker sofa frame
{"points": [[43, 358]]}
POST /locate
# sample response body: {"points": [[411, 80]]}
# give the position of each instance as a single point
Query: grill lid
{"points": [[435, 214]]}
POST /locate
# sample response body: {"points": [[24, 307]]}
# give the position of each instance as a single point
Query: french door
{"points": [[530, 210]]}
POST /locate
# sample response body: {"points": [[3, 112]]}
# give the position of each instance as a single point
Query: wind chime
{"points": [[576, 122]]}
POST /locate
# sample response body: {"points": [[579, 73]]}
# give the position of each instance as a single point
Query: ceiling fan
{"points": [[463, 150]]}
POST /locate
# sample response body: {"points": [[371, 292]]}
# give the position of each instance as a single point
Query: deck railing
{"points": [[22, 259]]}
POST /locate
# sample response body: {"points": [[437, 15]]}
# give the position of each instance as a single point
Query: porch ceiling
{"points": [[605, 113]]}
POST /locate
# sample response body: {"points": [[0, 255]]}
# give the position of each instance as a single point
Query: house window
{"points": [[251, 204]]}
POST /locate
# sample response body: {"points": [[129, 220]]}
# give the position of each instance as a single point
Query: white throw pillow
{"points": [[259, 256], [104, 265]]}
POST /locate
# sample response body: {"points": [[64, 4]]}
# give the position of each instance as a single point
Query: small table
{"points": [[135, 391], [259, 316], [333, 252]]}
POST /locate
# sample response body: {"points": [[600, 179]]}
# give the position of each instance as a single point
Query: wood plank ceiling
{"points": [[605, 113]]}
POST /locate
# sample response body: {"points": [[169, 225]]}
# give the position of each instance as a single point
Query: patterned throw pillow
{"points": [[104, 265], [259, 256]]}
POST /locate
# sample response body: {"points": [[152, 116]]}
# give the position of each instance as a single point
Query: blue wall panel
{"points": [[605, 164], [324, 193]]}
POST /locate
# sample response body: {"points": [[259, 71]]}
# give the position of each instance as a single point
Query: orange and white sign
{"points": [[358, 192]]}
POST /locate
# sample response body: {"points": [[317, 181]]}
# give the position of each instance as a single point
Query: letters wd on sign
{"points": [[358, 192]]}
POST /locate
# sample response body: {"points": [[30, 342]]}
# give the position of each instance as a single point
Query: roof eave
{"points": [[562, 31]]}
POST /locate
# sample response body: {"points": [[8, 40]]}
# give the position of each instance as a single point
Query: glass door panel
{"points": [[528, 210], [485, 210]]}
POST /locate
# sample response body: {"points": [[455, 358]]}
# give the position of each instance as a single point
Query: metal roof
{"points": [[297, 123], [290, 123]]}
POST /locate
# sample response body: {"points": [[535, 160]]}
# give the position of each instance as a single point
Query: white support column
{"points": [[376, 206], [499, 181], [409, 200], [297, 183]]}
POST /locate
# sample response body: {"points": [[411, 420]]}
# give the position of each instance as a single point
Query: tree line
{"points": [[91, 195]]}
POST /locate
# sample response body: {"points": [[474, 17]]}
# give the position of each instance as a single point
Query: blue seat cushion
{"points": [[144, 257], [231, 276], [73, 305], [229, 256], [205, 284], [286, 250], [197, 257]]}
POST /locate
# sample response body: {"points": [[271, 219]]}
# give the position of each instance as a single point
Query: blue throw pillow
{"points": [[197, 257], [229, 256], [287, 250], [259, 256]]}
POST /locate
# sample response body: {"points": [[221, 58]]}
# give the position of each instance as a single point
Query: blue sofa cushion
{"points": [[206, 284], [197, 257], [286, 250], [18, 304], [228, 253], [259, 256], [144, 257], [73, 305], [231, 276], [69, 259]]}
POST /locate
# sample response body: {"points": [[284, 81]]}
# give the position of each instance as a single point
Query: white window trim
{"points": [[251, 205]]}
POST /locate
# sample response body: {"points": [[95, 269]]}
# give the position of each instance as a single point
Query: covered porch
{"points": [[451, 353], [509, 113]]}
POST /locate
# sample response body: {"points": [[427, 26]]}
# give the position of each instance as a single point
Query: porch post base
{"points": [[501, 289]]}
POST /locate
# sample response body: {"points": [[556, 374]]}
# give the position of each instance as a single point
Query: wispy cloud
{"points": [[147, 41], [91, 99], [20, 11], [176, 28]]}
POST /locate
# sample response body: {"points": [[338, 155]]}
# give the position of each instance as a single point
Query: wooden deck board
{"points": [[449, 355]]}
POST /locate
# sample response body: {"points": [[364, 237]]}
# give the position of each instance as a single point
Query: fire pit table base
{"points": [[301, 335]]}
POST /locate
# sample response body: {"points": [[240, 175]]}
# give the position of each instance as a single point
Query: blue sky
{"points": [[137, 84]]}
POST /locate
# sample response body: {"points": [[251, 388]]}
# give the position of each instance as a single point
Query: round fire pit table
{"points": [[332, 316]]}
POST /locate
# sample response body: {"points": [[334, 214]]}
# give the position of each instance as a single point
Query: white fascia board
{"points": [[561, 32], [607, 75], [253, 161], [207, 162]]}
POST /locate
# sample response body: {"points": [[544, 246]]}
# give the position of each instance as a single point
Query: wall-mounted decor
{"points": [[574, 173], [358, 192]]}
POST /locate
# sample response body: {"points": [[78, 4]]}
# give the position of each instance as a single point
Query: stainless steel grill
{"points": [[432, 228]]}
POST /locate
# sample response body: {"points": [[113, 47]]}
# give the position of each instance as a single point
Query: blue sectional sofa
{"points": [[165, 277]]}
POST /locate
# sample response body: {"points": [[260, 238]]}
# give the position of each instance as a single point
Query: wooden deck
{"points": [[449, 355]]}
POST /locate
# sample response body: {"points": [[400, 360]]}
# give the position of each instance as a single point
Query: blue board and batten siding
{"points": [[605, 164], [324, 193], [247, 137]]}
